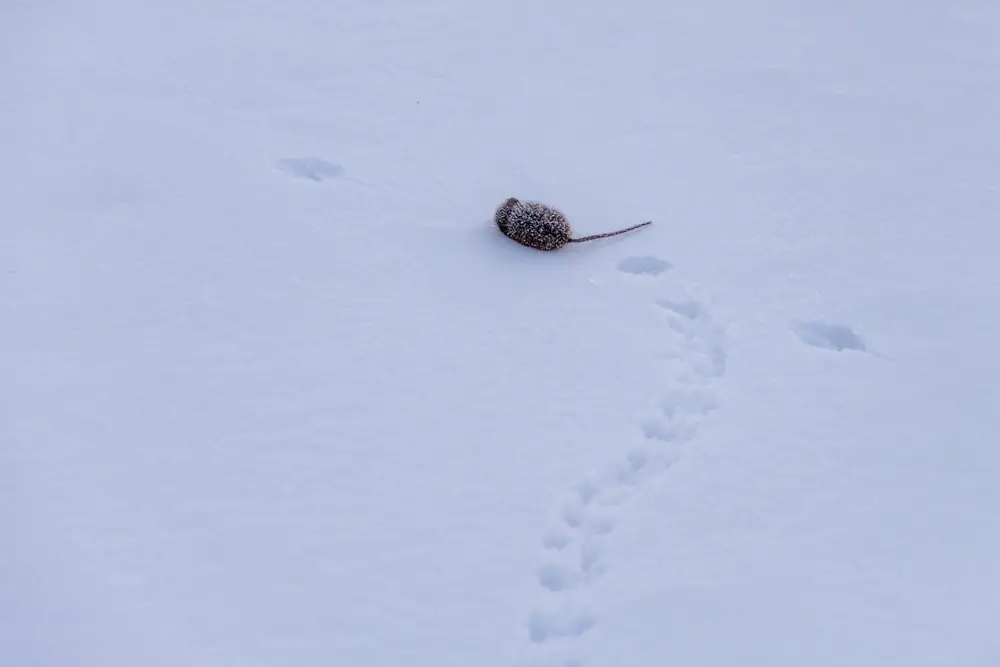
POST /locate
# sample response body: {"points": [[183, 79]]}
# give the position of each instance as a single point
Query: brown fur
{"points": [[541, 227]]}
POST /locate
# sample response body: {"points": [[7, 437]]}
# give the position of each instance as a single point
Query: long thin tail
{"points": [[607, 234]]}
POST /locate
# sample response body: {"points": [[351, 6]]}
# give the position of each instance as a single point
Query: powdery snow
{"points": [[275, 391]]}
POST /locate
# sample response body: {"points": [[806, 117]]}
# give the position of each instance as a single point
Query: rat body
{"points": [[542, 227]]}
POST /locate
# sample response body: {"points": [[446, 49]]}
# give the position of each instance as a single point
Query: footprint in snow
{"points": [[830, 336], [311, 168], [565, 622], [573, 546], [691, 310], [691, 320], [644, 265]]}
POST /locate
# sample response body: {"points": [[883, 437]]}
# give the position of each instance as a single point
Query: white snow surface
{"points": [[276, 392]]}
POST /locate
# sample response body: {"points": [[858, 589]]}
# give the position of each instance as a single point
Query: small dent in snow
{"points": [[572, 516], [588, 490], [556, 577], [677, 434], [543, 626], [555, 540], [829, 336], [590, 555], [637, 461], [312, 168], [692, 310], [644, 265], [600, 525], [655, 430]]}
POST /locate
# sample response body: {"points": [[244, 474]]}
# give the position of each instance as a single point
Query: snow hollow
{"points": [[275, 391]]}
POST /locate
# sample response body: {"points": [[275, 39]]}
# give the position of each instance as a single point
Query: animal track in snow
{"points": [[573, 547], [704, 344], [830, 336], [655, 429], [692, 310], [312, 168], [564, 622], [556, 576], [644, 265]]}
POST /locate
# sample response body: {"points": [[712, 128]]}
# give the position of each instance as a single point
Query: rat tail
{"points": [[607, 234]]}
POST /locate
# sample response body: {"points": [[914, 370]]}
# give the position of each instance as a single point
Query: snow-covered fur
{"points": [[534, 225], [541, 227]]}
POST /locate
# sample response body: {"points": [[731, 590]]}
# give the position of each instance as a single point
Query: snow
{"points": [[832, 336], [275, 392]]}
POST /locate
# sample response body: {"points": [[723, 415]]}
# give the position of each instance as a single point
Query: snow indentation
{"points": [[556, 540], [692, 310], [557, 576], [575, 544], [311, 168], [565, 622], [829, 336], [644, 265]]}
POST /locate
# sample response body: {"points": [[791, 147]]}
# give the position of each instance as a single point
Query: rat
{"points": [[542, 227]]}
